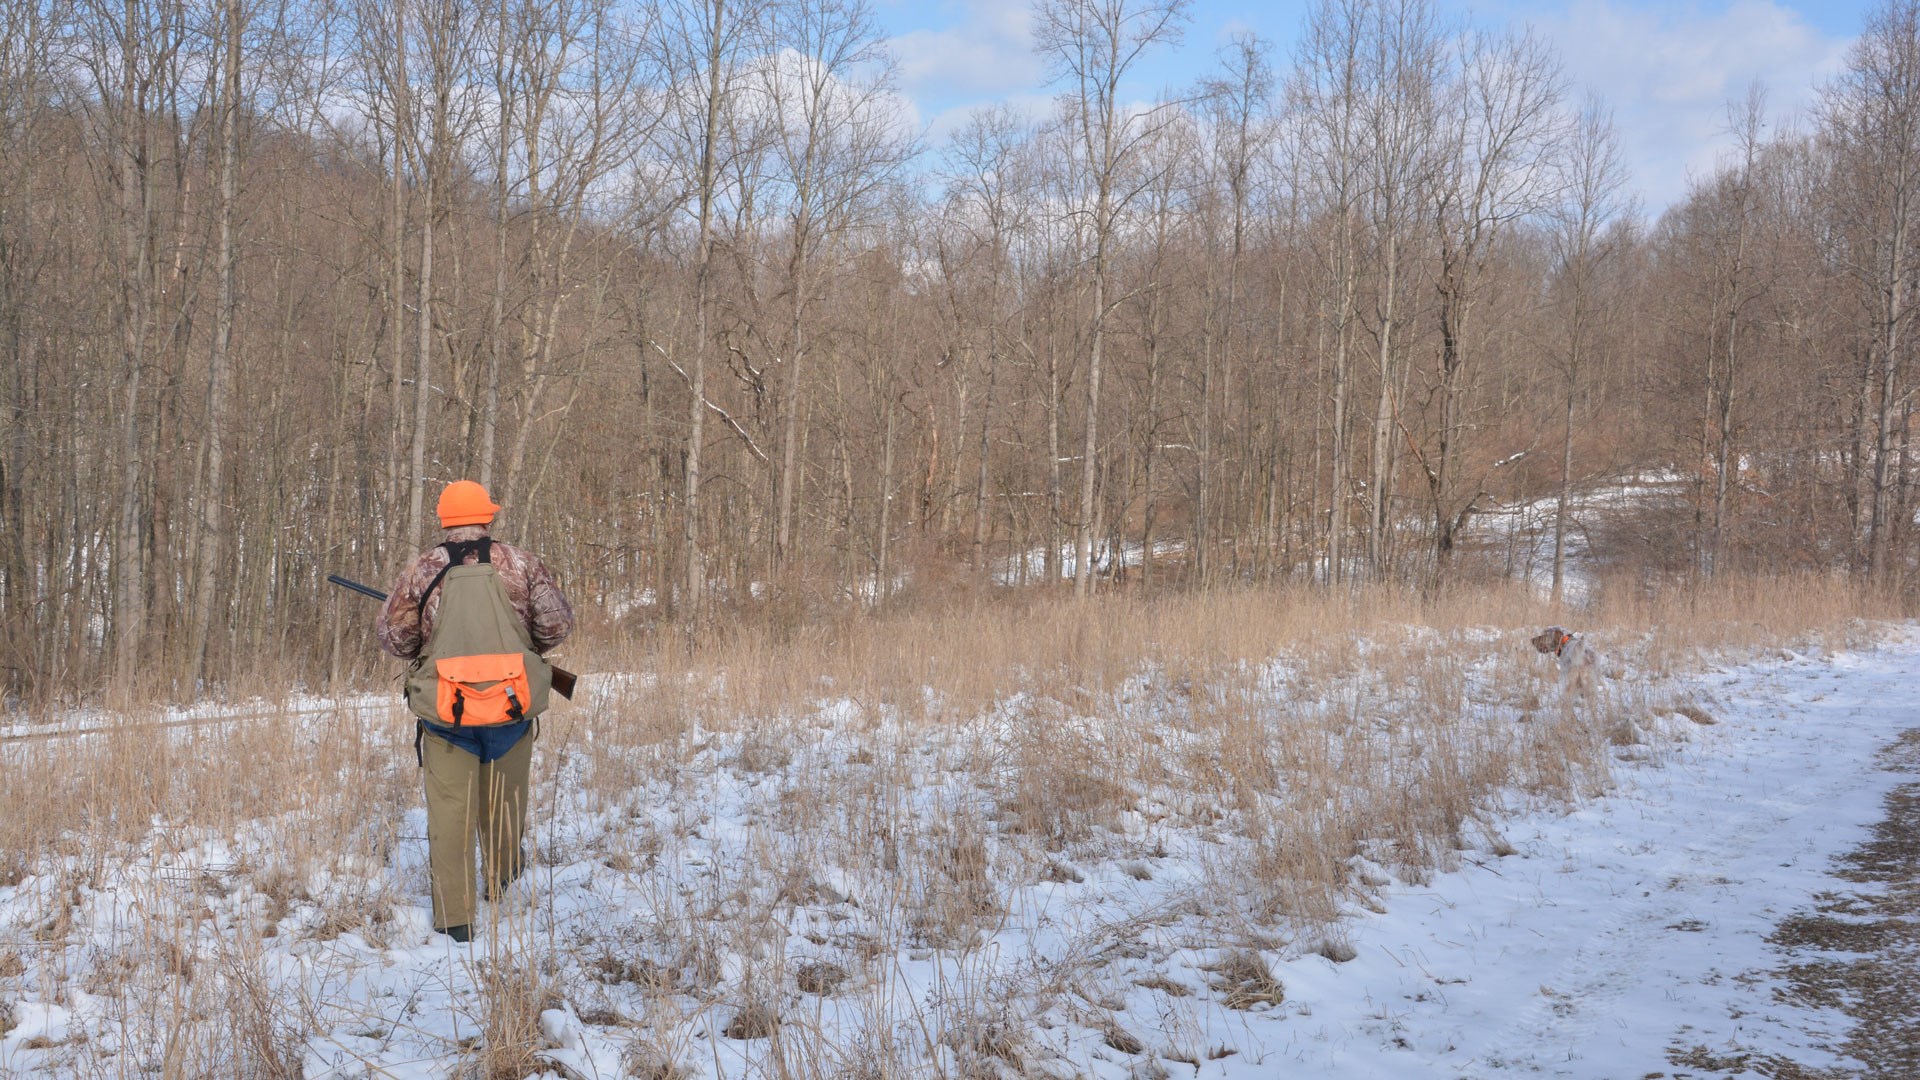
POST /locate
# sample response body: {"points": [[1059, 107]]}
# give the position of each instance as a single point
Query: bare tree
{"points": [[420, 64], [1324, 103], [838, 142], [1872, 117], [577, 74], [1236, 106], [1734, 290], [506, 90], [1092, 45], [1586, 240], [28, 34], [699, 48], [988, 183], [1502, 125], [139, 87], [211, 526], [1402, 54], [1163, 208]]}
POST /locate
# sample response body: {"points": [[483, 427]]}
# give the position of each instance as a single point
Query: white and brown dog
{"points": [[1578, 663]]}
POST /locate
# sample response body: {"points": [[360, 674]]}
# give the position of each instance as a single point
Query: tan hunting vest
{"points": [[478, 666]]}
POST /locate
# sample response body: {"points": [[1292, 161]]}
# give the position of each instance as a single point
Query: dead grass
{"points": [[1164, 985], [1695, 713], [949, 877], [953, 751], [514, 990], [754, 1020], [1119, 1038], [1063, 775], [266, 1032], [986, 1044], [819, 977], [1245, 980]]}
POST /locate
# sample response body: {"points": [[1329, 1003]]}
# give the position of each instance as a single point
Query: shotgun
{"points": [[563, 680]]}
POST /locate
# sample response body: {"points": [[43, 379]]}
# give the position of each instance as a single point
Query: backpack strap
{"points": [[457, 552]]}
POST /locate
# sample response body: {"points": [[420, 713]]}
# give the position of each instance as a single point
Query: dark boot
{"points": [[500, 887]]}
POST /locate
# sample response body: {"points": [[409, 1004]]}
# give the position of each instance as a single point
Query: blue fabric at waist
{"points": [[489, 742]]}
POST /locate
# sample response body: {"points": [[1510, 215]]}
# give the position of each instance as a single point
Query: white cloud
{"points": [[1669, 71], [986, 54]]}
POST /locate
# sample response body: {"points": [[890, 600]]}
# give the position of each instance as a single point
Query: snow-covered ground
{"points": [[1520, 535], [1635, 926], [673, 925], [21, 725]]}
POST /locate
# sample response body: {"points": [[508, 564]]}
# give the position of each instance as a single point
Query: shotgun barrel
{"points": [[364, 590]]}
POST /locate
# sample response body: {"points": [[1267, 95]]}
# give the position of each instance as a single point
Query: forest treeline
{"points": [[682, 282]]}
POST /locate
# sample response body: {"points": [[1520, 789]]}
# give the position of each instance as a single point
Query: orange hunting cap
{"points": [[464, 502]]}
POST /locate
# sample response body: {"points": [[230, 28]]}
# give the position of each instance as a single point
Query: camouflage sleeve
{"points": [[552, 616], [398, 624]]}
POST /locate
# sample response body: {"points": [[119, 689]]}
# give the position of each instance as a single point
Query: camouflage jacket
{"points": [[403, 628]]}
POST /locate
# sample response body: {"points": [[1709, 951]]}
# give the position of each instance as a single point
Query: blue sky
{"points": [[1666, 69]]}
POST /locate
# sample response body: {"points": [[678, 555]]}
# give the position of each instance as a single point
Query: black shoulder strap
{"points": [[457, 552]]}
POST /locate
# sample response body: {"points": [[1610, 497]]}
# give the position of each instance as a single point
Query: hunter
{"points": [[475, 616]]}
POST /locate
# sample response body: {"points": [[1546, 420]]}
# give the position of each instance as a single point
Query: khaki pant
{"points": [[467, 802]]}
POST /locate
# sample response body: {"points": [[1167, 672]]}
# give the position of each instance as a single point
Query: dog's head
{"points": [[1551, 640]]}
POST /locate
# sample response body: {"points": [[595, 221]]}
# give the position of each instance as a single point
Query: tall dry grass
{"points": [[953, 661], [946, 757]]}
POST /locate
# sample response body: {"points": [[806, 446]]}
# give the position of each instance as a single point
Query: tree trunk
{"points": [[982, 473], [1563, 501], [219, 368], [883, 539], [1089, 461], [1052, 557], [692, 558], [422, 369], [1882, 525], [790, 433], [497, 314], [128, 622], [1380, 477]]}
